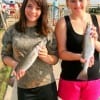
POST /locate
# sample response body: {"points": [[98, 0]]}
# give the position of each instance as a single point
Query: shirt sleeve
{"points": [[52, 44], [7, 44]]}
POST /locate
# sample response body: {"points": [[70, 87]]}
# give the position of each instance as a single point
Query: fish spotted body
{"points": [[31, 57], [88, 52]]}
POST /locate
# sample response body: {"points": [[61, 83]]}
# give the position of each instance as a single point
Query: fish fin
{"points": [[82, 75]]}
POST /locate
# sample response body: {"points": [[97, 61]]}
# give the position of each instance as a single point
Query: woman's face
{"points": [[77, 6], [32, 12]]}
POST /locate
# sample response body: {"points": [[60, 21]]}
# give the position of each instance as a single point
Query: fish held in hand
{"points": [[31, 57], [88, 52]]}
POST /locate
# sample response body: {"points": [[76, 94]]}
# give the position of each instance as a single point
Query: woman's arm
{"points": [[97, 43], [48, 53], [47, 58], [7, 50], [63, 53], [10, 61]]}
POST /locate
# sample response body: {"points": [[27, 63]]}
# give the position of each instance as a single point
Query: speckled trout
{"points": [[88, 52], [31, 57]]}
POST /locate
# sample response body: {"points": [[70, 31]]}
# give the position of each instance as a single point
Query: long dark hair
{"points": [[42, 21]]}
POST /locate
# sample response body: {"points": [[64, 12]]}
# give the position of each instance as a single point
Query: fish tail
{"points": [[82, 75]]}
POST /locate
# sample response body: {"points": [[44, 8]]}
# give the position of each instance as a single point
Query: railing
{"points": [[62, 10]]}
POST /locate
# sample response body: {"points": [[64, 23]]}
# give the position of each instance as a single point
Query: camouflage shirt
{"points": [[17, 45]]}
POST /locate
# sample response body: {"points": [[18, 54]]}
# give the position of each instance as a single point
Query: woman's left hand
{"points": [[91, 63], [94, 33], [43, 52]]}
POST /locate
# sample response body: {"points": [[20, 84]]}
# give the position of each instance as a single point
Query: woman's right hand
{"points": [[19, 74], [91, 62]]}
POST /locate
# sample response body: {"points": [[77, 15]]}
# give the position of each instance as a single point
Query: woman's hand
{"points": [[94, 33], [45, 57], [91, 61], [43, 52], [19, 74]]}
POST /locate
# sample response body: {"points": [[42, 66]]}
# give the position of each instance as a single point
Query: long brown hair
{"points": [[42, 21]]}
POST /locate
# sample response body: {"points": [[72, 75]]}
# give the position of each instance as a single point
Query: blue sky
{"points": [[63, 1], [95, 1], [91, 1]]}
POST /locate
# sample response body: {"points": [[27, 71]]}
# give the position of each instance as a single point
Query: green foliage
{"points": [[4, 76], [1, 30]]}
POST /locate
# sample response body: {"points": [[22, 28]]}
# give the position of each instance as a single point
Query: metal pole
{"points": [[3, 21], [2, 18]]}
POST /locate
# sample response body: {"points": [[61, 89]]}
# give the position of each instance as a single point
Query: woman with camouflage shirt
{"points": [[18, 41]]}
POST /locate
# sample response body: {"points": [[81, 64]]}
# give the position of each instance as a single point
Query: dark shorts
{"points": [[48, 92]]}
